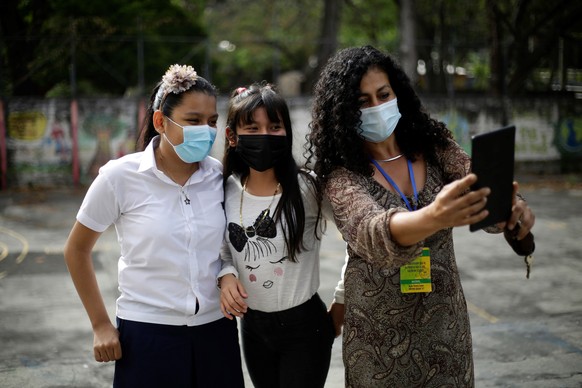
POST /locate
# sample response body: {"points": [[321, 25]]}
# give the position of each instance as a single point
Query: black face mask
{"points": [[261, 152]]}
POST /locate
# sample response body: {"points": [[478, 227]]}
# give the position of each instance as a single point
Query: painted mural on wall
{"points": [[40, 145], [569, 135], [107, 130], [39, 142], [536, 136]]}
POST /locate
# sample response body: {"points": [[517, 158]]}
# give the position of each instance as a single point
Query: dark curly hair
{"points": [[334, 141], [242, 105]]}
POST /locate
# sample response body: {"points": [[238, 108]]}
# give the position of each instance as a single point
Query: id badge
{"points": [[415, 276]]}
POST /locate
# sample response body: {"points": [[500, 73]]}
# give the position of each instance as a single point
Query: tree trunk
{"points": [[327, 45], [496, 49], [408, 52]]}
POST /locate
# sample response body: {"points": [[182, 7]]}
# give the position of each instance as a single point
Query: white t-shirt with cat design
{"points": [[255, 251]]}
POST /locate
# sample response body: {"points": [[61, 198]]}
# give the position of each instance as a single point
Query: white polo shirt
{"points": [[169, 249]]}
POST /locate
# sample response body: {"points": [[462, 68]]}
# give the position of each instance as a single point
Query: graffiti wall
{"points": [[534, 136], [40, 149], [40, 139], [38, 142], [107, 130], [547, 130]]}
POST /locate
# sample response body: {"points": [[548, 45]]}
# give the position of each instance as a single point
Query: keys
{"points": [[528, 262]]}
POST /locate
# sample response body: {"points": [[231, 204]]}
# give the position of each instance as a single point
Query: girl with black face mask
{"points": [[270, 272]]}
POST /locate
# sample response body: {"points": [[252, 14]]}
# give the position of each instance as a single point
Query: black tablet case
{"points": [[492, 160]]}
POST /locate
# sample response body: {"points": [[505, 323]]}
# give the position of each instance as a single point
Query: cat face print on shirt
{"points": [[270, 276], [255, 241]]}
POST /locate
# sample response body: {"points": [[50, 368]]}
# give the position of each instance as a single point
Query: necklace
{"points": [[182, 187], [389, 159], [264, 213], [183, 191]]}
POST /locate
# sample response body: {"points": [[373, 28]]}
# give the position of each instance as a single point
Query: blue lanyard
{"points": [[393, 184]]}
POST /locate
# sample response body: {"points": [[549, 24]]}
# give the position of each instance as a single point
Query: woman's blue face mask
{"points": [[379, 122]]}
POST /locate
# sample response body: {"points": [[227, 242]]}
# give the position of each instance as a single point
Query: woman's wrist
{"points": [[219, 280]]}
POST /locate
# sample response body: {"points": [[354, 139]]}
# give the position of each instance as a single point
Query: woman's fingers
{"points": [[225, 311], [106, 346], [516, 210], [232, 303], [525, 217], [107, 353], [229, 310], [521, 214], [456, 205], [462, 186], [468, 209], [237, 302]]}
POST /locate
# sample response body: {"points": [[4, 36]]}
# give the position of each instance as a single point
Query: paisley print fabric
{"points": [[393, 339]]}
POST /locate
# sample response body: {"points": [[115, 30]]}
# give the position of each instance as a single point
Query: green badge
{"points": [[415, 276]]}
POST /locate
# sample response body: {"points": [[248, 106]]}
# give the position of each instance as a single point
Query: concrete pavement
{"points": [[526, 333]]}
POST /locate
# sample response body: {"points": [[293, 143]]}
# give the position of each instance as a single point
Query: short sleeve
{"points": [[100, 207]]}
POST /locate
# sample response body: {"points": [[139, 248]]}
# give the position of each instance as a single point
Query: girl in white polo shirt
{"points": [[270, 276], [166, 205]]}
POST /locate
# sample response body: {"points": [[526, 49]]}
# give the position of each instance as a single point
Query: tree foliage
{"points": [[534, 43], [505, 46], [42, 39], [267, 38], [371, 22]]}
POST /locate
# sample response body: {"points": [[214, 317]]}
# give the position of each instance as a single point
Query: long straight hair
{"points": [[243, 103]]}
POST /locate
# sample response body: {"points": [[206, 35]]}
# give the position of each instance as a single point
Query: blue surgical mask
{"points": [[379, 122], [198, 140]]}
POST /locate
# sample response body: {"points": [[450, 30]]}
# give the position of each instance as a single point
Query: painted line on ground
{"points": [[482, 313], [4, 248]]}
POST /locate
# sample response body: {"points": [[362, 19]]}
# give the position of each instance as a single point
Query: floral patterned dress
{"points": [[392, 339]]}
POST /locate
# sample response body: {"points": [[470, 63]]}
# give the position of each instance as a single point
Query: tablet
{"points": [[492, 160]]}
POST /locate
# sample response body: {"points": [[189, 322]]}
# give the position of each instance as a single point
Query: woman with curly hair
{"points": [[166, 205], [398, 183]]}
